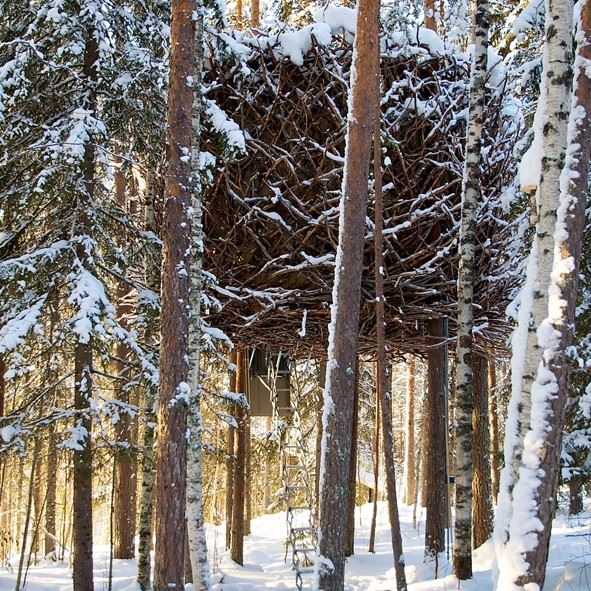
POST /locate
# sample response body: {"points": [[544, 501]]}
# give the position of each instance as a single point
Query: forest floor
{"points": [[569, 566]]}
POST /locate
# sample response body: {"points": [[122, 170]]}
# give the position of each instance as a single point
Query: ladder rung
{"points": [[305, 570], [303, 528], [300, 508], [304, 549], [296, 486]]}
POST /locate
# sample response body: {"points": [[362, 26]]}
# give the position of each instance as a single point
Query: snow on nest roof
{"points": [[331, 21]]}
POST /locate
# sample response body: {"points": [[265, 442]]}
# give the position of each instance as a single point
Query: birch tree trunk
{"points": [[146, 501], [539, 473], [343, 330], [462, 553], [553, 108], [171, 459], [195, 517]]}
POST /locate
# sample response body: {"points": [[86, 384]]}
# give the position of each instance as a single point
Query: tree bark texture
{"points": [[409, 439], [152, 278], [555, 100], [196, 538], [50, 504], [494, 430], [342, 348], [462, 552], [230, 460], [430, 11], [319, 405], [237, 542], [82, 562], [247, 475], [482, 510], [171, 457], [555, 255], [124, 508], [384, 395], [435, 433], [550, 389], [353, 469], [376, 473]]}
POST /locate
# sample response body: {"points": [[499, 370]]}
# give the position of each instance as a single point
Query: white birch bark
{"points": [[462, 553], [528, 516], [195, 516], [150, 394]]}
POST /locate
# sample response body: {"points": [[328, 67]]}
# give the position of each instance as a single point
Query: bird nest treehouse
{"points": [[271, 213]]}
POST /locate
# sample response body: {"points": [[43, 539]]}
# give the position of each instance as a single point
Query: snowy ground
{"points": [[265, 567]]}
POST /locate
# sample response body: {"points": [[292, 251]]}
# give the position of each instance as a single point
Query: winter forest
{"points": [[295, 295]]}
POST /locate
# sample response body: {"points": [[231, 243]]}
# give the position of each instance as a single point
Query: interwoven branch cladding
{"points": [[264, 210]]}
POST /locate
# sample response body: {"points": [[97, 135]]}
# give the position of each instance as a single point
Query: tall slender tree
{"points": [[342, 349], [384, 395], [171, 458], [546, 157], [195, 517], [462, 553]]}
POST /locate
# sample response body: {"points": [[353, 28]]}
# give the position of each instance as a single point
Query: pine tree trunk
{"points": [[237, 542], [171, 457], [247, 476], [342, 348], [51, 548], [231, 460], [2, 384], [255, 13], [38, 500], [430, 22], [319, 406], [409, 447], [494, 430], [229, 483], [462, 554], [125, 470], [83, 358], [435, 433], [384, 395], [575, 496], [353, 469], [482, 510], [82, 501], [376, 473]]}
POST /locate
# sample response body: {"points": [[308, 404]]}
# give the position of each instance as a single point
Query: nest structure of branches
{"points": [[271, 216]]}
